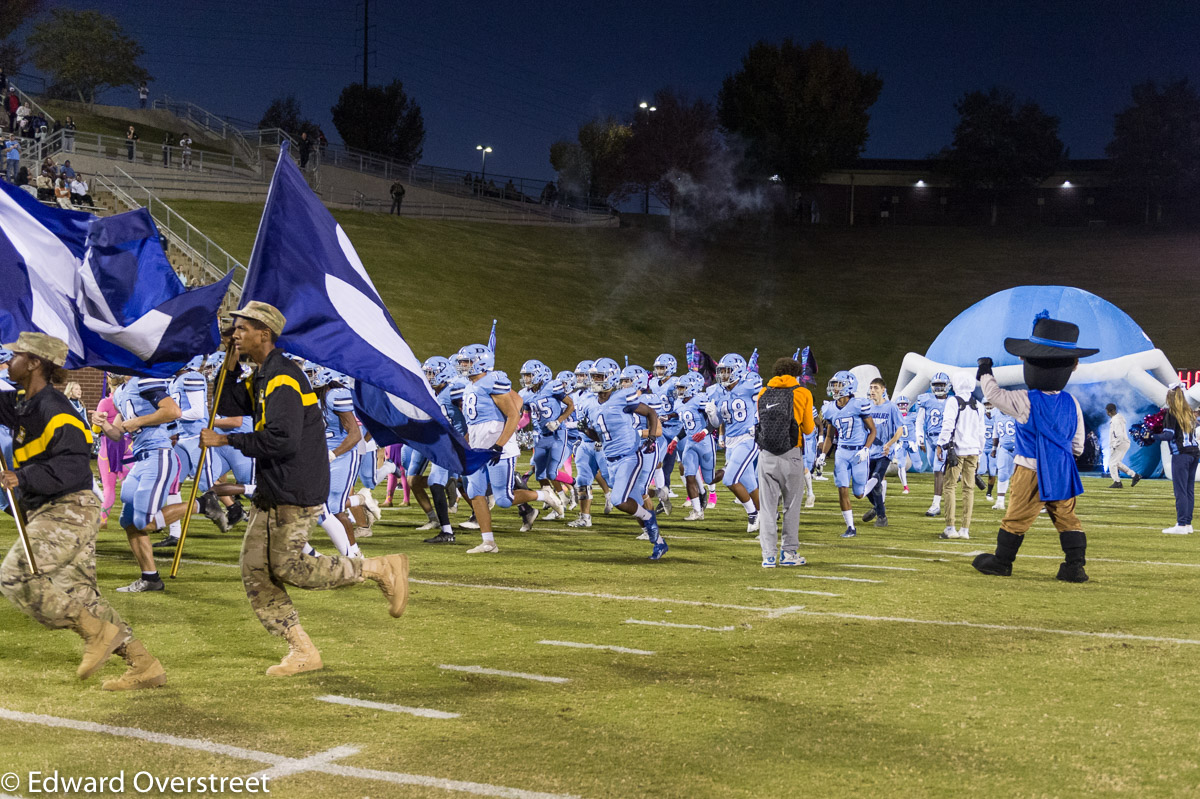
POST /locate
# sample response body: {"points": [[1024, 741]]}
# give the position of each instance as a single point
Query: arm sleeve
{"points": [[1013, 403], [1080, 433], [197, 405], [279, 436]]}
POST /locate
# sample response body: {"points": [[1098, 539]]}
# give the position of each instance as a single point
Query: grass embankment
{"points": [[862, 296]]}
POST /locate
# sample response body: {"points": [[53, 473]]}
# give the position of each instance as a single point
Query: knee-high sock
{"points": [[175, 527], [333, 528], [439, 505], [404, 485], [392, 480]]}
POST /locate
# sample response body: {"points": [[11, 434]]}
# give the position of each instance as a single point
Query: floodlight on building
{"points": [[643, 105], [920, 184], [1066, 184]]}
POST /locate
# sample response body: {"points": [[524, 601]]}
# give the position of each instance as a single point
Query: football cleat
{"points": [[584, 520], [694, 516], [528, 518], [441, 538], [429, 525], [752, 522], [850, 533], [139, 585], [485, 547]]}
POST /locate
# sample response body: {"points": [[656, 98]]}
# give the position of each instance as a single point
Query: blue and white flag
{"points": [[492, 338], [104, 286], [304, 264]]}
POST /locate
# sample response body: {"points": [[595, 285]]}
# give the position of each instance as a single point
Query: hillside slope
{"points": [[862, 296]]}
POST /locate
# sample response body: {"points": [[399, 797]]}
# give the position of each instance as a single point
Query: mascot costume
{"points": [[1050, 434]]}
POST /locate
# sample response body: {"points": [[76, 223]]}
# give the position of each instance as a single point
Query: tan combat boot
{"points": [[391, 572], [144, 670], [301, 656], [100, 639]]}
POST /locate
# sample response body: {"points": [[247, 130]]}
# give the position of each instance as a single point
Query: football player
{"points": [[550, 406], [1004, 447], [697, 447], [931, 408], [613, 421], [888, 429], [734, 409], [850, 418]]}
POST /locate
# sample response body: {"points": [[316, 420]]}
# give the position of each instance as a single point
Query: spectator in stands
{"points": [[11, 104], [12, 157], [49, 168], [305, 149], [322, 142], [66, 170], [23, 176], [22, 114], [143, 94], [166, 149], [3, 80], [397, 192], [131, 141], [185, 146], [79, 192], [69, 135], [62, 194], [45, 188], [40, 134]]}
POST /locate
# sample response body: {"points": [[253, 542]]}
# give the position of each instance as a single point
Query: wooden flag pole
{"points": [[228, 366], [19, 518]]}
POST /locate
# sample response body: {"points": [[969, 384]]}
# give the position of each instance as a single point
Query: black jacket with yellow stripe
{"points": [[52, 447], [288, 441]]}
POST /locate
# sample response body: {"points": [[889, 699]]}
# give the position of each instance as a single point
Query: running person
{"points": [[1004, 452], [696, 446], [931, 408], [850, 421], [734, 409], [888, 429], [549, 406], [341, 440]]}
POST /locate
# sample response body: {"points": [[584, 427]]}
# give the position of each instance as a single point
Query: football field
{"points": [[569, 665]]}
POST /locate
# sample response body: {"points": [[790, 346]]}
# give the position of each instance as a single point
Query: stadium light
{"points": [[483, 152], [1066, 184], [643, 105], [920, 184]]}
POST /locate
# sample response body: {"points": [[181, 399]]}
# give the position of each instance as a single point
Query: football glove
{"points": [[700, 436], [650, 447], [671, 447], [497, 453], [332, 457], [820, 461], [862, 455], [552, 425]]}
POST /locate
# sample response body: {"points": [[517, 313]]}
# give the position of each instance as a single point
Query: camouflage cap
{"points": [[48, 348], [268, 315]]}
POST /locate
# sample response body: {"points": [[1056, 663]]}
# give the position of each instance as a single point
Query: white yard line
{"points": [[305, 764], [841, 579], [238, 753], [791, 591], [589, 595], [498, 673], [388, 707], [680, 626], [1091, 559], [913, 557], [868, 566], [575, 645]]}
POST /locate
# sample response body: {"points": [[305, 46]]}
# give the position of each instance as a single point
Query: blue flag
{"points": [[492, 338], [104, 286], [304, 264]]}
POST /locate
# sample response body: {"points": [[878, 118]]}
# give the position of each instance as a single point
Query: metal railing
{"points": [[25, 98], [203, 118], [142, 152], [205, 252]]}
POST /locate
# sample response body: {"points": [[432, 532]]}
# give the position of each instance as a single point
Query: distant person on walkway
{"points": [[166, 147], [1179, 431], [322, 142], [185, 145], [11, 104], [69, 135], [143, 93], [305, 149], [1118, 445], [12, 158], [131, 141], [397, 197]]}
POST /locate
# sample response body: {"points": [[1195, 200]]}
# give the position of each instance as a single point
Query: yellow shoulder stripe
{"points": [[39, 444], [286, 380]]}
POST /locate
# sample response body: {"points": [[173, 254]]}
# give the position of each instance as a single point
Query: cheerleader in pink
{"points": [[110, 460]]}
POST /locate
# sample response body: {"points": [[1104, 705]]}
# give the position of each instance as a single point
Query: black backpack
{"points": [[778, 431]]}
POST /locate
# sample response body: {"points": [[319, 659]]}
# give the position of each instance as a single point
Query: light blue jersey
{"points": [[445, 399], [887, 420], [478, 406], [190, 392], [737, 407], [337, 400], [1004, 427], [849, 422], [545, 405], [934, 409], [140, 396], [615, 421]]}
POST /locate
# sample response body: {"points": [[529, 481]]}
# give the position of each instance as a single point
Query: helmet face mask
{"points": [[731, 369], [844, 385], [604, 375], [940, 385], [665, 365], [482, 363]]}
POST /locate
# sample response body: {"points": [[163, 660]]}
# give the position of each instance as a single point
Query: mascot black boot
{"points": [[1001, 563], [1074, 547]]}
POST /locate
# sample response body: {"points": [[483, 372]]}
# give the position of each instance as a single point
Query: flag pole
{"points": [[229, 364], [19, 518]]}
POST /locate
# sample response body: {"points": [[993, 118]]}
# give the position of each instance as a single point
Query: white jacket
{"points": [[965, 426]]}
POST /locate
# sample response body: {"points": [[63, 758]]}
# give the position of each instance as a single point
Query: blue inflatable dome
{"points": [[981, 329]]}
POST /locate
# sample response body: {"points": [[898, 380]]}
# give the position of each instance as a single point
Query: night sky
{"points": [[518, 76]]}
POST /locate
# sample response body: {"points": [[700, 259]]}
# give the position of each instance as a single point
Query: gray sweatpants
{"points": [[780, 477]]}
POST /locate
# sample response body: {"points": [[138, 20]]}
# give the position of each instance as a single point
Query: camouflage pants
{"points": [[62, 535], [273, 556]]}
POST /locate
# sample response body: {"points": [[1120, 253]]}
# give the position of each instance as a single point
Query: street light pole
{"points": [[648, 109], [483, 152]]}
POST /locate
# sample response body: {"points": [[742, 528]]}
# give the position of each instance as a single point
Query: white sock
{"points": [[488, 538], [332, 526], [545, 494], [447, 529], [848, 515], [354, 501], [1002, 487], [695, 503], [884, 489], [870, 486], [308, 550], [354, 552], [176, 528], [937, 501], [248, 490], [903, 474], [641, 514], [659, 479], [749, 506], [586, 516]]}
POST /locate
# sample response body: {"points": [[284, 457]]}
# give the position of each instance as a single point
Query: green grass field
{"points": [[885, 667], [857, 296]]}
